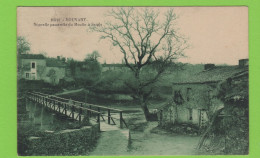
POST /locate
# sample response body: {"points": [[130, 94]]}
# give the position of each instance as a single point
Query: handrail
{"points": [[75, 107], [82, 102], [105, 107], [72, 105]]}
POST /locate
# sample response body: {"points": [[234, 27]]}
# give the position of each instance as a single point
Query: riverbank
{"points": [[43, 132]]}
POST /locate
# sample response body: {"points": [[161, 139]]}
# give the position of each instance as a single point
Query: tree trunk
{"points": [[146, 111]]}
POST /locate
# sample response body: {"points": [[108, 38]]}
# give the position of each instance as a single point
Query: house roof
{"points": [[237, 91], [53, 62], [216, 74], [31, 56]]}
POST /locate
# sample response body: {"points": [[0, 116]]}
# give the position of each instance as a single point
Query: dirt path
{"points": [[146, 143], [112, 141], [162, 143]]}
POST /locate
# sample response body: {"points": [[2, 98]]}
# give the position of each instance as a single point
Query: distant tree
{"points": [[43, 53], [23, 46], [72, 65], [93, 56], [88, 72], [52, 75], [144, 38], [63, 59]]}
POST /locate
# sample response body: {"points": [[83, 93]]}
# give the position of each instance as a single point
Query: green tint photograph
{"points": [[130, 81]]}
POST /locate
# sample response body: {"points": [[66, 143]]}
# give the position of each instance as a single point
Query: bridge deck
{"points": [[79, 111]]}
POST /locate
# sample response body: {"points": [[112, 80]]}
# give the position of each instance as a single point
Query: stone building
{"points": [[196, 98], [38, 67], [233, 127], [114, 67]]}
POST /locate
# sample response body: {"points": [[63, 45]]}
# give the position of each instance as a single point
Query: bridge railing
{"points": [[74, 111], [91, 109]]}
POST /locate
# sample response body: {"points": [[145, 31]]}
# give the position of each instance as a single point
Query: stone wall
{"points": [[172, 114], [236, 129], [64, 142], [196, 95], [192, 103]]}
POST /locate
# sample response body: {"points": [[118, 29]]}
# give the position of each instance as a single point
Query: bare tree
{"points": [[144, 41]]}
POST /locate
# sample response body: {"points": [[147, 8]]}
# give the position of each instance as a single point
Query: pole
{"points": [[108, 117]]}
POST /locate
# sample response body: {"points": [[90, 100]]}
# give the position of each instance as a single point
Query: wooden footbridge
{"points": [[79, 111]]}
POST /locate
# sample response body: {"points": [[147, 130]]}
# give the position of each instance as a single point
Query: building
{"points": [[233, 124], [38, 67], [197, 97], [30, 66], [114, 67]]}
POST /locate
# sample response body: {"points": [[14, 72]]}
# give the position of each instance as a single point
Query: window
{"points": [[33, 65], [188, 94], [27, 75], [190, 114]]}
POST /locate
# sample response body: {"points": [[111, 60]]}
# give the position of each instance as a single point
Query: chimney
{"points": [[209, 66], [243, 62]]}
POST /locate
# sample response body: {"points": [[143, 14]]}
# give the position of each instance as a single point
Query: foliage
{"points": [[72, 65], [25, 67], [113, 81], [43, 53], [52, 75], [93, 56], [88, 72], [40, 70], [23, 46]]}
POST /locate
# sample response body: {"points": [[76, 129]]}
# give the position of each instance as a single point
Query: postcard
{"points": [[118, 81]]}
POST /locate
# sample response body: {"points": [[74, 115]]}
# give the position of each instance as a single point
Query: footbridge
{"points": [[80, 111]]}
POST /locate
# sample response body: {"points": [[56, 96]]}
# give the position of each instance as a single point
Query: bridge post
{"points": [[42, 100], [90, 111], [65, 109], [53, 106], [121, 119], [72, 111], [88, 116], [108, 116], [59, 106], [98, 120], [80, 112]]}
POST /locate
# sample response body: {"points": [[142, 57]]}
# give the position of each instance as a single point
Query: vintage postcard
{"points": [[104, 81]]}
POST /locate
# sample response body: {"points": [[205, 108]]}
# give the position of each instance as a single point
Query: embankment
{"points": [[65, 142]]}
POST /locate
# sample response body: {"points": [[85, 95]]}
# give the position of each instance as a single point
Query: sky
{"points": [[216, 35]]}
